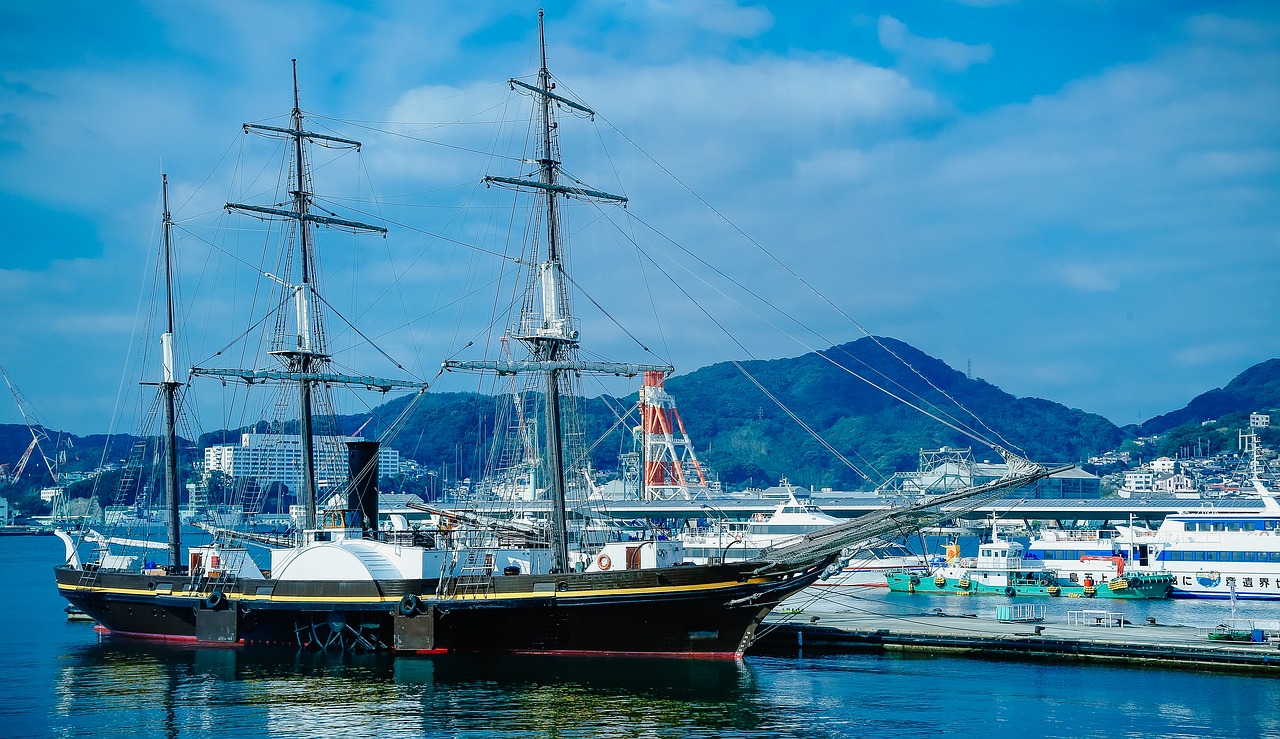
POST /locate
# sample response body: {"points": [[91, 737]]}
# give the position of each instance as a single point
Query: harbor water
{"points": [[64, 680]]}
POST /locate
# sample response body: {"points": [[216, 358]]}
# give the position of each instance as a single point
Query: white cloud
{"points": [[950, 55], [1031, 228], [1215, 353]]}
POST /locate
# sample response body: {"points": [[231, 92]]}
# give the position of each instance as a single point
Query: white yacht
{"points": [[868, 566], [734, 541], [790, 520]]}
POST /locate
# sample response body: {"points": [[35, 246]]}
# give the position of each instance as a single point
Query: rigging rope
{"points": [[949, 421], [971, 433]]}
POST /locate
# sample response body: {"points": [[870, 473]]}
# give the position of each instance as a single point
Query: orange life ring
{"points": [[604, 562]]}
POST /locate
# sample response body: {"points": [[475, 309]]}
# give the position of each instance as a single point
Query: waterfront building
{"points": [[272, 458], [1139, 481]]}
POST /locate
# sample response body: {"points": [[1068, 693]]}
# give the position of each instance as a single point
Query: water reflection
{"points": [[138, 690], [163, 690]]}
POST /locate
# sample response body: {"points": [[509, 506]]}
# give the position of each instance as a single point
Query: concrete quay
{"points": [[1085, 635]]}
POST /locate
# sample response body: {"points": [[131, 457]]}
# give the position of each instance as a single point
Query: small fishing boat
{"points": [[1002, 569]]}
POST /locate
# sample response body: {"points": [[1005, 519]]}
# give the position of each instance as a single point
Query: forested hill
{"points": [[745, 437], [1255, 389], [751, 436]]}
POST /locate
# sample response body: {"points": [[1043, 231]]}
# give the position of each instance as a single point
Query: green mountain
{"points": [[1257, 389], [749, 434], [747, 437], [1212, 422]]}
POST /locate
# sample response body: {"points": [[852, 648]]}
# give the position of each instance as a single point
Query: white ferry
{"points": [[1208, 552], [1212, 554]]}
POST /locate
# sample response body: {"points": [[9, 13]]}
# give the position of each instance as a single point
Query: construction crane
{"points": [[22, 463], [34, 426]]}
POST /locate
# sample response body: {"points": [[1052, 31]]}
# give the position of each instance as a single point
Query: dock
{"points": [[1084, 635]]}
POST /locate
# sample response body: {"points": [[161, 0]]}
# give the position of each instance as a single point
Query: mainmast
{"points": [[168, 390], [303, 356], [306, 361], [551, 334], [557, 338]]}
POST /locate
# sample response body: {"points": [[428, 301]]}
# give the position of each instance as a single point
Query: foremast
{"points": [[169, 390], [306, 361], [547, 327]]}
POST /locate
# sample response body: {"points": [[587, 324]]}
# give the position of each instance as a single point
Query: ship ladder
{"points": [[128, 483], [475, 576], [225, 582]]}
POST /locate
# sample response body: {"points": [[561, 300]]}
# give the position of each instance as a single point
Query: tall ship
{"points": [[477, 583]]}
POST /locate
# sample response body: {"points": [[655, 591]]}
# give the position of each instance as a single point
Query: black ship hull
{"points": [[710, 611]]}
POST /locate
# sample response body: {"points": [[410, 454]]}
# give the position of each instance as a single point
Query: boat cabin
{"points": [[637, 555], [215, 561]]}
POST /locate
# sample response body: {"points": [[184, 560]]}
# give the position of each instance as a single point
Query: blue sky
{"points": [[1078, 200]]}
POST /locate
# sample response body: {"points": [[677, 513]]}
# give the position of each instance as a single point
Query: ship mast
{"points": [[303, 356], [557, 339], [168, 390], [551, 334], [306, 361]]}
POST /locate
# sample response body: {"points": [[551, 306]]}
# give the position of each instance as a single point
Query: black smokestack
{"points": [[362, 494]]}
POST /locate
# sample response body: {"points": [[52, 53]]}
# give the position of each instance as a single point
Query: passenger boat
{"points": [[477, 584], [1209, 553], [870, 565], [1212, 554], [1002, 569], [1076, 554]]}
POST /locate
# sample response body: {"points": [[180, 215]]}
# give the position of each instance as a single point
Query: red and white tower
{"points": [[670, 467]]}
